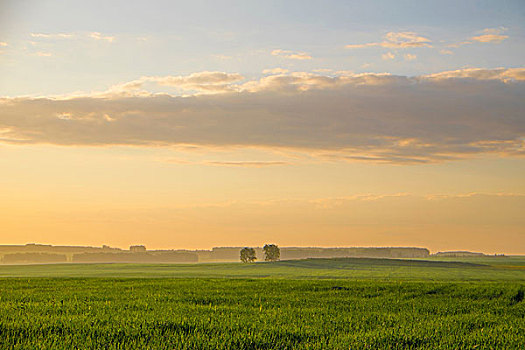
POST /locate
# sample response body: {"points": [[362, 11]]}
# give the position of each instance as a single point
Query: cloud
{"points": [[498, 30], [247, 164], [446, 52], [473, 195], [201, 78], [210, 82], [388, 56], [491, 35], [53, 36], [3, 44], [404, 40], [291, 55], [99, 36], [488, 35], [489, 38], [502, 74], [80, 35], [237, 164], [332, 202], [409, 57], [396, 40], [303, 81], [202, 82], [348, 117]]}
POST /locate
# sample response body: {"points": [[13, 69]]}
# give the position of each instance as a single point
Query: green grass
{"points": [[309, 304], [347, 268]]}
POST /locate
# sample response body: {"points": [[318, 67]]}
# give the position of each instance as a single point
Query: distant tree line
{"points": [[215, 254]]}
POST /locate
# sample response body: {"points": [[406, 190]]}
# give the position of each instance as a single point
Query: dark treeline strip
{"points": [[287, 253]]}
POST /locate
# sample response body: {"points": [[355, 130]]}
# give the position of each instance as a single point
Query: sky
{"points": [[179, 124]]}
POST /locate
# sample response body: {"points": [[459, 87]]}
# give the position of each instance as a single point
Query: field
{"points": [[308, 304]]}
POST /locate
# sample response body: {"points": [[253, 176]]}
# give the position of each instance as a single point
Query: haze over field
{"points": [[305, 123]]}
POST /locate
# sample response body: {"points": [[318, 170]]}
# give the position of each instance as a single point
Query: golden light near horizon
{"points": [[231, 128]]}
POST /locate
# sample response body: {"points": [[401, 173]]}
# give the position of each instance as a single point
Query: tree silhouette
{"points": [[248, 255], [271, 252]]}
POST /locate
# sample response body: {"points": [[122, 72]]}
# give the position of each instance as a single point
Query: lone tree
{"points": [[248, 255], [271, 252]]}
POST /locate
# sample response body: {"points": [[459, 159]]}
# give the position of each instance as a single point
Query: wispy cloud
{"points": [[236, 164], [409, 57], [3, 44], [99, 36], [502, 74], [247, 164], [396, 40], [405, 40], [291, 55], [488, 35], [76, 35], [365, 117], [491, 35], [53, 36]]}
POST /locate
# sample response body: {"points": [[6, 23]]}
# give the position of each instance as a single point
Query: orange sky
{"points": [[121, 196]]}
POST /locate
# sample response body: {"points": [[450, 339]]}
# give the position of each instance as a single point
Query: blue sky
{"points": [[181, 37]]}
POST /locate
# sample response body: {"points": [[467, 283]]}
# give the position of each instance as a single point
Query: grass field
{"points": [[509, 268], [308, 304]]}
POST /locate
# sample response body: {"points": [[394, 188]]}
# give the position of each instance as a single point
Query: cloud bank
{"points": [[345, 117]]}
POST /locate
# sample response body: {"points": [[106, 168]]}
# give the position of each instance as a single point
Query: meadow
{"points": [[307, 304]]}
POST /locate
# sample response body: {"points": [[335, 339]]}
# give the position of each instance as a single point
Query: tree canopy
{"points": [[248, 255], [271, 252]]}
